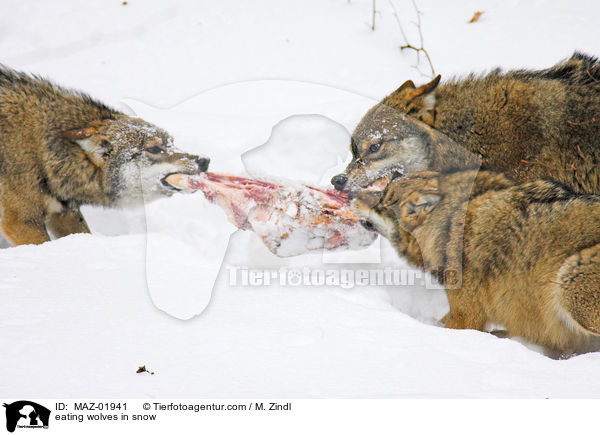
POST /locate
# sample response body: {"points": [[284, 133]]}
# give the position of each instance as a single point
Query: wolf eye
{"points": [[374, 148], [154, 150]]}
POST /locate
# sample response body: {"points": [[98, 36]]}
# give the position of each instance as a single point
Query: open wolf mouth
{"points": [[168, 185], [380, 183]]}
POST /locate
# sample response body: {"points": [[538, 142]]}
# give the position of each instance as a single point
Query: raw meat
{"points": [[290, 219]]}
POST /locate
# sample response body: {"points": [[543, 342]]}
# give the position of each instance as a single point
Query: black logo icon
{"points": [[26, 414]]}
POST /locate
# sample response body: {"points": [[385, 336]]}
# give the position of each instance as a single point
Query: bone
{"points": [[290, 219]]}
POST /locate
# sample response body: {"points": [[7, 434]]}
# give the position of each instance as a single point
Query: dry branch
{"points": [[408, 46], [374, 12]]}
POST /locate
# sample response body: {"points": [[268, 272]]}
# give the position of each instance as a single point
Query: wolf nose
{"points": [[339, 181], [202, 163]]}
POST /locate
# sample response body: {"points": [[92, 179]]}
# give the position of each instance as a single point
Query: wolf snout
{"points": [[364, 200], [361, 208], [339, 181]]}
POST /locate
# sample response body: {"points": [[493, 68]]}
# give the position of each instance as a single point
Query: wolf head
{"points": [[423, 215], [388, 142], [403, 205], [134, 158]]}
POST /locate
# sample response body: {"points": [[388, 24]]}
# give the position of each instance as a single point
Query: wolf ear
{"points": [[425, 202], [79, 133], [417, 205], [422, 103], [400, 94], [405, 86], [428, 88], [93, 146], [417, 102]]}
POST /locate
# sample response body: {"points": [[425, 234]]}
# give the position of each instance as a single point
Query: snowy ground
{"points": [[279, 84]]}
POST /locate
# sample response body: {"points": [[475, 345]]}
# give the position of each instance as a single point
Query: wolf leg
{"points": [[463, 321], [579, 285], [444, 319], [67, 222], [465, 311], [20, 231]]}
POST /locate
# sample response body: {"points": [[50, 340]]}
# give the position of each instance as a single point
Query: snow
{"points": [[262, 88]]}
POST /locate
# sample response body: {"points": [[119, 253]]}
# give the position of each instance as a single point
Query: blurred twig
{"points": [[374, 12], [407, 45]]}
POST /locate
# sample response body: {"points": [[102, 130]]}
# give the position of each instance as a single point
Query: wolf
{"points": [[60, 149], [529, 252], [526, 124]]}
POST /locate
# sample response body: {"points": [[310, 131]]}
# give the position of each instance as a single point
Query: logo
{"points": [[26, 414]]}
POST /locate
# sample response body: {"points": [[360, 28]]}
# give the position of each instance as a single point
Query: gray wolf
{"points": [[529, 253], [525, 124], [60, 149]]}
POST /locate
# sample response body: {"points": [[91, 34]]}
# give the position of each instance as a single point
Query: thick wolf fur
{"points": [[60, 149], [529, 252], [525, 124]]}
